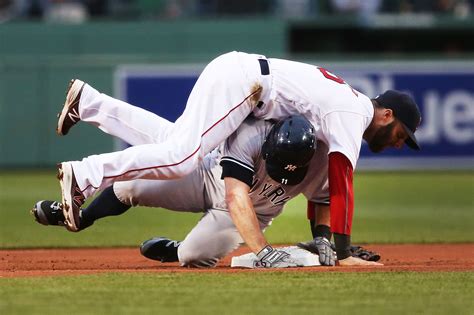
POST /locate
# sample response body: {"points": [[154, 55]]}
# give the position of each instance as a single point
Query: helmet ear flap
{"points": [[269, 142]]}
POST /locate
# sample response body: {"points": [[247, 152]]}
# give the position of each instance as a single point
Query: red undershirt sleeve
{"points": [[341, 193]]}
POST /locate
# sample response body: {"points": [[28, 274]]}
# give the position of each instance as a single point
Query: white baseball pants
{"points": [[215, 235], [226, 92]]}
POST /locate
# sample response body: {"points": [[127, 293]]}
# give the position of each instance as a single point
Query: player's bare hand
{"points": [[354, 261]]}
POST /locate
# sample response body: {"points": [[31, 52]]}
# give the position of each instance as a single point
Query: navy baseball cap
{"points": [[405, 110]]}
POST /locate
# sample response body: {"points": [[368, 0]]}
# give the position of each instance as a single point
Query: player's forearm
{"points": [[341, 193], [319, 216], [245, 219], [243, 214], [323, 215]]}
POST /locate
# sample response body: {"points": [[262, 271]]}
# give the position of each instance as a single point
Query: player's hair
{"points": [[376, 104]]}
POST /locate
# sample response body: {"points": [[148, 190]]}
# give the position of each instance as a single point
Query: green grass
{"points": [[246, 293], [400, 208], [390, 208]]}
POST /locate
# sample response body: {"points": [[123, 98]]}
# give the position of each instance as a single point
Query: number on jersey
{"points": [[335, 78]]}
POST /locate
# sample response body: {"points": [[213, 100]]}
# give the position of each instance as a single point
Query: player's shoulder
{"points": [[248, 137], [351, 101], [254, 122], [252, 125]]}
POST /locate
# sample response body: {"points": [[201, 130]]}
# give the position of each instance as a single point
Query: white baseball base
{"points": [[301, 256]]}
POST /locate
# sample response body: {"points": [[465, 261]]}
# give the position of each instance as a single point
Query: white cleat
{"points": [[69, 116], [72, 197]]}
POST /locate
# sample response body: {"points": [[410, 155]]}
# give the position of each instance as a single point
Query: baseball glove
{"points": [[362, 253]]}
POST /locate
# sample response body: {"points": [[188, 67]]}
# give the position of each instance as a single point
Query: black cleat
{"points": [[48, 212], [160, 248]]}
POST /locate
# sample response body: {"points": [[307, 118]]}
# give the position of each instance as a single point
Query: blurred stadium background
{"points": [[149, 52], [44, 43]]}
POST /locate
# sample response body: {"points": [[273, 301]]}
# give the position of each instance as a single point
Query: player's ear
{"points": [[388, 116]]}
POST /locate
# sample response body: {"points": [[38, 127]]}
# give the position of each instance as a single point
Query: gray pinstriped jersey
{"points": [[243, 148]]}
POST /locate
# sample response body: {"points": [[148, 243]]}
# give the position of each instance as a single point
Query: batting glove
{"points": [[269, 257], [322, 247]]}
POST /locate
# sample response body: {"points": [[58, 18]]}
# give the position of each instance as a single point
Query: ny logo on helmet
{"points": [[290, 168]]}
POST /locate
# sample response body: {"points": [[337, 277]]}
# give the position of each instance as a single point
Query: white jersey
{"points": [[230, 88], [338, 113]]}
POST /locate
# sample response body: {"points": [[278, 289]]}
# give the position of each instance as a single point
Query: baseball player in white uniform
{"points": [[243, 157], [230, 88]]}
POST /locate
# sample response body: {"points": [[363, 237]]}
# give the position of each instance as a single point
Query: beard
{"points": [[381, 138]]}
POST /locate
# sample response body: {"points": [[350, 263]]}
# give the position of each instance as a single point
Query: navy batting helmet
{"points": [[288, 149]]}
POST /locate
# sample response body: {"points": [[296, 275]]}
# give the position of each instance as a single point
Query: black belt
{"points": [[264, 68]]}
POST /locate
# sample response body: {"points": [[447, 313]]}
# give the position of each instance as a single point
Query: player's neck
{"points": [[372, 128]]}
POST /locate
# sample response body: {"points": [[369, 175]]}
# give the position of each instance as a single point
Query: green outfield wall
{"points": [[37, 60]]}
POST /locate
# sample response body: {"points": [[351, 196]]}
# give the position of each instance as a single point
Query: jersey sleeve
{"points": [[343, 131], [341, 193], [241, 150], [320, 193]]}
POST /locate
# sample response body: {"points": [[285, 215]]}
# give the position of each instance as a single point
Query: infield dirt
{"points": [[73, 261]]}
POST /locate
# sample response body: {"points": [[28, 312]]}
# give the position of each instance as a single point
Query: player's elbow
{"points": [[231, 197], [236, 192], [235, 202]]}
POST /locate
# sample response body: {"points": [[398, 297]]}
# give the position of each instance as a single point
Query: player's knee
{"points": [[197, 260], [128, 192], [190, 256], [201, 263]]}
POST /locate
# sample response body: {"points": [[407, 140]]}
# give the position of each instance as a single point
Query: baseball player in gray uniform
{"points": [[230, 88], [275, 161]]}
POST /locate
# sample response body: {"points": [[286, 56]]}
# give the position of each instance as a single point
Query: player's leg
{"points": [[223, 96], [218, 103], [214, 237], [183, 194], [49, 212], [132, 124]]}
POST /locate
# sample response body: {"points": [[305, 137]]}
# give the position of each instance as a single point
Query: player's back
{"points": [[300, 88]]}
